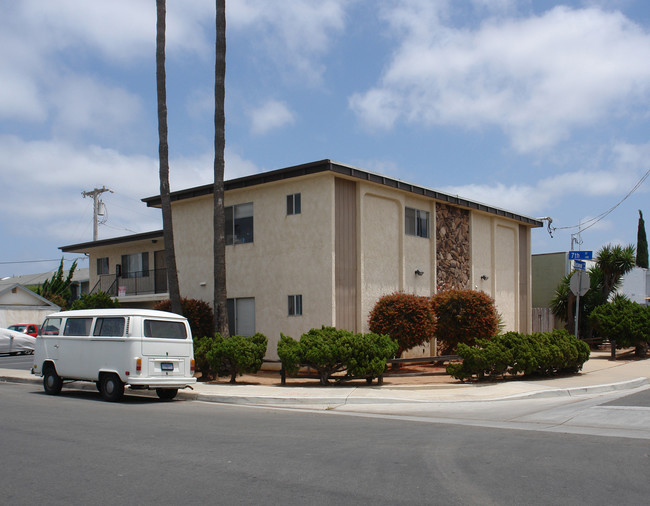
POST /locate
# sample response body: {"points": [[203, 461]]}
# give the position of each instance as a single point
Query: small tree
{"points": [[198, 313], [98, 300], [406, 318], [232, 356], [57, 289], [464, 316], [329, 351], [624, 323]]}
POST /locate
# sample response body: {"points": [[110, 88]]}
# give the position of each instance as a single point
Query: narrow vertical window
{"points": [[239, 223], [293, 204], [295, 305], [102, 266], [416, 222]]}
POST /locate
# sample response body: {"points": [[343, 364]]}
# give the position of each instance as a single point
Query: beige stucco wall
{"points": [[495, 246], [289, 255], [388, 258]]}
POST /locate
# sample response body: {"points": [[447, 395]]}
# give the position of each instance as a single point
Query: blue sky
{"points": [[538, 107]]}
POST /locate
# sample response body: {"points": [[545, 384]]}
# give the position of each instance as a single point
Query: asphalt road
{"points": [[76, 449], [21, 362]]}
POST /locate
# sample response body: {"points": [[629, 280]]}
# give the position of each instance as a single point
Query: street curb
{"points": [[325, 400]]}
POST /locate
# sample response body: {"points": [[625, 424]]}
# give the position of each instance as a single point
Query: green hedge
{"points": [[329, 351], [512, 353], [229, 356]]}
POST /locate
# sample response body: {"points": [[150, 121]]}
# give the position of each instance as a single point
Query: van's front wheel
{"points": [[112, 388], [166, 394], [52, 382]]}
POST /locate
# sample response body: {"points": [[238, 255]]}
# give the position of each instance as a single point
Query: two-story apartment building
{"points": [[319, 243]]}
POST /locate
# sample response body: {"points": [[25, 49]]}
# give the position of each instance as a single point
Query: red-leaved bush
{"points": [[464, 316], [406, 318], [199, 314]]}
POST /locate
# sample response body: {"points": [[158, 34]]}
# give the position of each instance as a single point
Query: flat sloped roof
{"points": [[344, 170]]}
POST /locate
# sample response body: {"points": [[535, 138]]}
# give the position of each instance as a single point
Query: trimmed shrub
{"points": [[236, 355], [199, 314], [512, 353], [463, 317], [98, 300], [329, 351], [624, 322], [406, 318], [202, 345]]}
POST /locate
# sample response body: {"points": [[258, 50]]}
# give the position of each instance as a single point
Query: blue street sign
{"points": [[580, 265], [580, 255]]}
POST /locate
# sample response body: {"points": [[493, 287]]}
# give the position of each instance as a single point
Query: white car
{"points": [[13, 342]]}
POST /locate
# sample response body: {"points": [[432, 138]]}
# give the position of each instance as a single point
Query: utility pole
{"points": [[96, 202]]}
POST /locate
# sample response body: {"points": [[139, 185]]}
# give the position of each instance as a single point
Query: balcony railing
{"points": [[133, 283]]}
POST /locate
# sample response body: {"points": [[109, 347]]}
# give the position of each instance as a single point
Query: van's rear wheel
{"points": [[166, 394], [112, 388], [52, 382]]}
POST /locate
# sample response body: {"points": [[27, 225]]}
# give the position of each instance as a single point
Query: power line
{"points": [[40, 261], [591, 222]]}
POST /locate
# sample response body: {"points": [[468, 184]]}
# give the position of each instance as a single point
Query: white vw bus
{"points": [[139, 348]]}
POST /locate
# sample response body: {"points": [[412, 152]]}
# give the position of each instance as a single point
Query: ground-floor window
{"points": [[241, 316]]}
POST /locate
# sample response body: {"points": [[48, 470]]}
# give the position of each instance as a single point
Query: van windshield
{"points": [[165, 329], [51, 327]]}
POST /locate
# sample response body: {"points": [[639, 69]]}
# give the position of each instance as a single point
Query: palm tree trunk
{"points": [[220, 296], [163, 154]]}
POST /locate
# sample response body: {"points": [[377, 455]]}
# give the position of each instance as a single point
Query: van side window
{"points": [[109, 327], [77, 327], [164, 329], [51, 327]]}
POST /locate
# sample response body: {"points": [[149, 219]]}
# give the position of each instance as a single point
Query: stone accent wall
{"points": [[452, 248]]}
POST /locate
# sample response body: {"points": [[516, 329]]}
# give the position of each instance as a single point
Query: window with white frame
{"points": [[241, 316], [293, 204], [295, 305], [416, 222], [239, 223]]}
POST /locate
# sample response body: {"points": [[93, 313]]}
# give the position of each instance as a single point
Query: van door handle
{"points": [[56, 345]]}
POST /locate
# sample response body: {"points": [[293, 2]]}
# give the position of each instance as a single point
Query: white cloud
{"points": [[294, 35], [536, 78], [55, 173], [270, 116], [84, 104]]}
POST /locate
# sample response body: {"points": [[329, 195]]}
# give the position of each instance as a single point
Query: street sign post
{"points": [[581, 255], [579, 285]]}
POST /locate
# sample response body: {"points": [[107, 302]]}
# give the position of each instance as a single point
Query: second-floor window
{"points": [[239, 223], [135, 265], [416, 222], [293, 204], [102, 266]]}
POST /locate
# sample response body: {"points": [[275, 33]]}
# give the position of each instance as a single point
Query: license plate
{"points": [[166, 366]]}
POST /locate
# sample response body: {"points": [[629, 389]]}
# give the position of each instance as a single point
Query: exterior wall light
{"points": [[484, 277], [418, 272]]}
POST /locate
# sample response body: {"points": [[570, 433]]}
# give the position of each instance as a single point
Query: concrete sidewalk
{"points": [[599, 375]]}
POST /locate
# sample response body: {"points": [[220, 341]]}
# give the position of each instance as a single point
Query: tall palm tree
{"points": [[163, 154], [220, 296]]}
